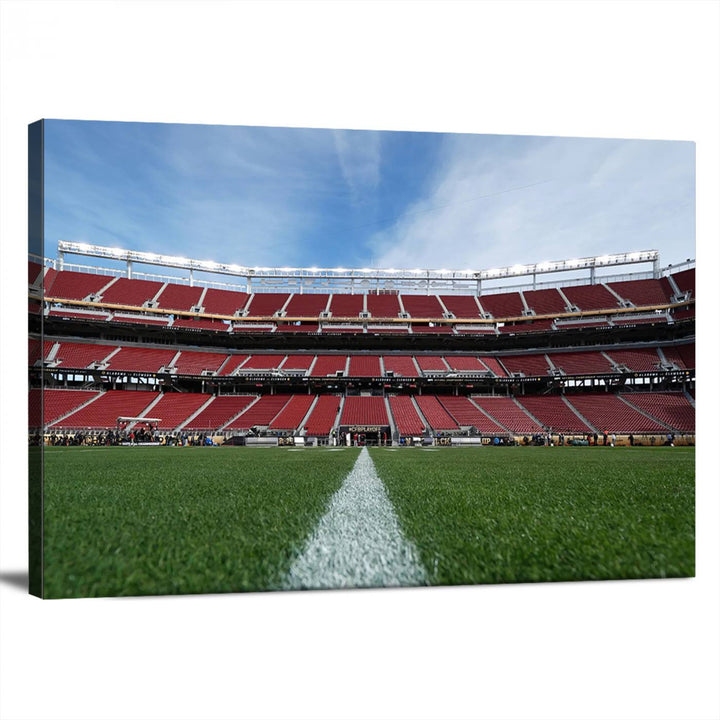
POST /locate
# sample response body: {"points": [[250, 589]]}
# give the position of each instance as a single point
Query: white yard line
{"points": [[358, 542]]}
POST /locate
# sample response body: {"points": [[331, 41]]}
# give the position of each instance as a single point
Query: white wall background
{"points": [[644, 649]]}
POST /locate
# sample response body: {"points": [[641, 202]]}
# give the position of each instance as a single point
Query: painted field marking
{"points": [[358, 542]]}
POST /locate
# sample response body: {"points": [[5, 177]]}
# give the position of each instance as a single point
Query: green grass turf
{"points": [[144, 520], [487, 515]]}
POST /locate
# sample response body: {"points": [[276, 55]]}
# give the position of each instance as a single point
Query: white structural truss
{"points": [[358, 280]]}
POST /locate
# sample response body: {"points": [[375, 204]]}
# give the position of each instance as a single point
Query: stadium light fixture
{"points": [[344, 274]]}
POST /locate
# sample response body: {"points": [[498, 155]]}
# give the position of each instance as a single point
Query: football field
{"points": [[164, 520]]}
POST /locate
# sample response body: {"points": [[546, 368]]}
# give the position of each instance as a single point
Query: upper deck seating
{"points": [[641, 292], [640, 360], [461, 306], [545, 302], [201, 324], [529, 365], [55, 404], [34, 350], [34, 270], [141, 359], [220, 411], [173, 408], [344, 305], [266, 304], [671, 408], [131, 292], [581, 363], [431, 363], [264, 362], [383, 306], [290, 417], [465, 363], [261, 414], [436, 415], [553, 413], [104, 412], [507, 413], [400, 365], [364, 366], [608, 412], [361, 410], [307, 305], [179, 297], [298, 362], [493, 365], [685, 280], [503, 304], [232, 364], [71, 285], [684, 314], [223, 302], [322, 418], [328, 365], [467, 415], [407, 420], [194, 362], [422, 306], [80, 355], [591, 297]]}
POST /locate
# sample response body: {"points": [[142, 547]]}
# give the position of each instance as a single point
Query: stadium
{"points": [[486, 368]]}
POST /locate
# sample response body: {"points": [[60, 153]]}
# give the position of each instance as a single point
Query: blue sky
{"points": [[327, 198]]}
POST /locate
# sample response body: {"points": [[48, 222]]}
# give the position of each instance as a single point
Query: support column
{"points": [[129, 269]]}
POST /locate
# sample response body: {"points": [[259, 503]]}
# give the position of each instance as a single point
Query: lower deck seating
{"points": [[466, 414], [220, 411], [671, 408], [407, 420], [436, 415], [361, 410], [290, 417], [104, 412], [507, 413], [608, 412], [261, 414], [174, 408], [323, 415], [55, 404], [554, 414]]}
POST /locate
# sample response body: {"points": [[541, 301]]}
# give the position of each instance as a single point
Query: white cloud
{"points": [[358, 154], [496, 201]]}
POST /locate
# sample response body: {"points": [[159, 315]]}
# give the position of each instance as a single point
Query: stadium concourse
{"points": [[335, 356]]}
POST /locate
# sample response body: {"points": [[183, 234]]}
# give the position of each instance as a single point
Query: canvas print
{"points": [[277, 358]]}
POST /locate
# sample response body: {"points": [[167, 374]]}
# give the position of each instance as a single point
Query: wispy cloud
{"points": [[358, 154], [498, 201]]}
